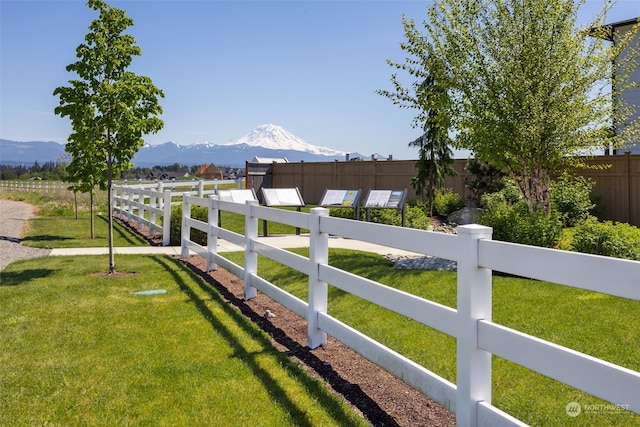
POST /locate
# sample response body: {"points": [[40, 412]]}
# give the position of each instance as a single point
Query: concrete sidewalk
{"points": [[288, 241]]}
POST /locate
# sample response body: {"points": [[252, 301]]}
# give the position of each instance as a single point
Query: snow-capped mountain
{"points": [[274, 137], [269, 141]]}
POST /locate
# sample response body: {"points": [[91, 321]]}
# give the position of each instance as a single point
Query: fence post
{"points": [[123, 193], [318, 254], [153, 204], [141, 206], [185, 235], [239, 183], [130, 205], [114, 199], [474, 303], [166, 218], [212, 235], [201, 189], [250, 257], [160, 189]]}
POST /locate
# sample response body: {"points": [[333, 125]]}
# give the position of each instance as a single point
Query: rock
{"points": [[269, 314], [426, 262], [465, 216]]}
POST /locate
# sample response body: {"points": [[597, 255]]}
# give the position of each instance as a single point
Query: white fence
{"points": [[149, 204], [478, 338], [35, 186]]}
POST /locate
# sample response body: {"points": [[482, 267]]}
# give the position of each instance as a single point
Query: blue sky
{"points": [[227, 67]]}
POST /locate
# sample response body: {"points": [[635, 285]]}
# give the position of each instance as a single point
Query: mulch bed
{"points": [[381, 398]]}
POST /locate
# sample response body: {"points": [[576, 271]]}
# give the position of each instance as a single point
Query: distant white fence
{"points": [[34, 185], [478, 338], [149, 204]]}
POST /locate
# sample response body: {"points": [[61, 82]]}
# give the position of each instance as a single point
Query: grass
{"points": [[230, 221], [67, 232], [79, 349], [235, 222], [603, 326], [59, 224]]}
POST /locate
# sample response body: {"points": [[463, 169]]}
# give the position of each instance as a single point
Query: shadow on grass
{"points": [[218, 294], [353, 393], [22, 277], [45, 238], [119, 229]]}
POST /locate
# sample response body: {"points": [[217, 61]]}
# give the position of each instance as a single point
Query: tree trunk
{"points": [[93, 234], [112, 264]]}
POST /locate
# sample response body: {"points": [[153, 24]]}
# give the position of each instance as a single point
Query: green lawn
{"points": [[67, 232], [80, 349], [600, 325], [73, 344]]}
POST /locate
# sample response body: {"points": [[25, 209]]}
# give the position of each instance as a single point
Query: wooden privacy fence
{"points": [[478, 337], [617, 180], [150, 204]]}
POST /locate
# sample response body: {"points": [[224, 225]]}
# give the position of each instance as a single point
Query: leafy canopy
{"points": [[110, 108], [429, 96], [528, 89]]}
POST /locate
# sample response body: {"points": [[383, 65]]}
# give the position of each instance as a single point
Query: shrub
{"points": [[512, 221], [415, 217], [570, 197], [618, 240], [347, 213], [446, 202], [197, 212]]}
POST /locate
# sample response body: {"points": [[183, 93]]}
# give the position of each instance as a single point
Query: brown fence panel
{"points": [[617, 186]]}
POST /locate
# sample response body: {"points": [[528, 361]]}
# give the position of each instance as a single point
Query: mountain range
{"points": [[266, 141]]}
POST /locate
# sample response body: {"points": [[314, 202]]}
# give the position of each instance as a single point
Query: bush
{"points": [[570, 197], [197, 212], [618, 240], [446, 202], [347, 213], [512, 221], [415, 217]]}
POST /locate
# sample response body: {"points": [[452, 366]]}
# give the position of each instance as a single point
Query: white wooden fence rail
{"points": [[37, 186], [478, 338], [136, 201]]}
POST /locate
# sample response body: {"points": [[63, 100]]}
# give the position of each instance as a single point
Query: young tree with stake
{"points": [[110, 108]]}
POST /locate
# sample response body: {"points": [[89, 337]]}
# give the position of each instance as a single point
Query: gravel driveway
{"points": [[14, 218]]}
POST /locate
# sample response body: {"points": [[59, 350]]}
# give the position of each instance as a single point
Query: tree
{"points": [[110, 108], [528, 89], [429, 96], [435, 161]]}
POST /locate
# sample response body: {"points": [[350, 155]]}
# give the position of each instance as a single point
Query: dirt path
{"points": [[14, 217]]}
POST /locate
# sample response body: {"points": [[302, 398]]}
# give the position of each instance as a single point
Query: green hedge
{"points": [[618, 240], [512, 221], [446, 202]]}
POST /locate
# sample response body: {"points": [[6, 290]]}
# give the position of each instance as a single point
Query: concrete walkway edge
{"points": [[285, 242]]}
